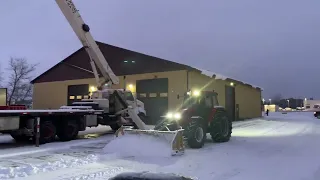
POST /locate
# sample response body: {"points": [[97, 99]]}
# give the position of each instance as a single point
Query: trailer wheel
{"points": [[68, 130], [20, 138], [48, 132]]}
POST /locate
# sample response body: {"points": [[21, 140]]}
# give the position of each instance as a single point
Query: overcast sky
{"points": [[272, 43]]}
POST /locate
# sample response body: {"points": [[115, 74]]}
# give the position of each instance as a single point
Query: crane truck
{"points": [[105, 106]]}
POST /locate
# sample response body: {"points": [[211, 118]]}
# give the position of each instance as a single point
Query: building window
{"points": [[71, 97], [153, 95], [79, 97], [142, 95], [163, 94]]}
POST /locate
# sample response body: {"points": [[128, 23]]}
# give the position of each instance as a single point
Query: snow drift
{"points": [[138, 146]]}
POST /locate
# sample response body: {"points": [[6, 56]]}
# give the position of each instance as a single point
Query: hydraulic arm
{"points": [[82, 30]]}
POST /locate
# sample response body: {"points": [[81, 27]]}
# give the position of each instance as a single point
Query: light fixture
{"points": [[92, 88], [130, 86], [231, 84]]}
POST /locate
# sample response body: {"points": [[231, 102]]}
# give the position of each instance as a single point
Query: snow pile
{"points": [[30, 169], [139, 145], [222, 77]]}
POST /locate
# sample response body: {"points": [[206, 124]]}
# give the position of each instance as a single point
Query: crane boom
{"points": [[119, 107], [82, 31]]}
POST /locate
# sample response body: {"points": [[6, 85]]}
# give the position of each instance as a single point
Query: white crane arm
{"points": [[82, 31]]}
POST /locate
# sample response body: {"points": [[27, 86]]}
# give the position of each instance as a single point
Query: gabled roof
{"points": [[122, 61]]}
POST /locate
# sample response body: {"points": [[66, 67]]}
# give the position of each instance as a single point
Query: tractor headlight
{"points": [[196, 93], [169, 115], [173, 116], [177, 116]]}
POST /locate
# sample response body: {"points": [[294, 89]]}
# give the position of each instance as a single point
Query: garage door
{"points": [[77, 92], [154, 94]]}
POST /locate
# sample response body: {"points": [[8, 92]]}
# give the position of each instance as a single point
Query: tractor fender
{"points": [[196, 117], [218, 107]]}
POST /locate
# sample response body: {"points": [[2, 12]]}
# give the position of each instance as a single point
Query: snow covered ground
{"points": [[278, 147]]}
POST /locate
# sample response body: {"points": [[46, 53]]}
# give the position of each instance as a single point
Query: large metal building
{"points": [[154, 81]]}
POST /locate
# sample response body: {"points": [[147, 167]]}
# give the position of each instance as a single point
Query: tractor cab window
{"points": [[190, 101], [208, 102], [215, 101]]}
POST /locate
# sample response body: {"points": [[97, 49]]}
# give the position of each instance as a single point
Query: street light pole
{"points": [[270, 101], [288, 103]]}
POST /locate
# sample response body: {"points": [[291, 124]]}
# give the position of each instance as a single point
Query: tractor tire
{"points": [[221, 127], [114, 127], [68, 130], [196, 133], [48, 132], [20, 138]]}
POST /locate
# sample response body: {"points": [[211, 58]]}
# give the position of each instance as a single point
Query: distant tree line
{"points": [[17, 81]]}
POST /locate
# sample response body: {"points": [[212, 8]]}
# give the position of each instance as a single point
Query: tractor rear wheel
{"points": [[196, 133], [221, 127]]}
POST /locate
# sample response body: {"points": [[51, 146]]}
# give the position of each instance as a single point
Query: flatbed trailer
{"points": [[42, 126]]}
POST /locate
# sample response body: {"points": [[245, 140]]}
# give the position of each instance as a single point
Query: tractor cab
{"points": [[201, 99]]}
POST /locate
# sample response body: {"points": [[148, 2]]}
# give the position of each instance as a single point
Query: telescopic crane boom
{"points": [[96, 57], [82, 30]]}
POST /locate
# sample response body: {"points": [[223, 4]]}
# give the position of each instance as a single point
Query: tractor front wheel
{"points": [[196, 133]]}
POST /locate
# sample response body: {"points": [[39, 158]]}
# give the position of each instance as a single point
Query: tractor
{"points": [[198, 115]]}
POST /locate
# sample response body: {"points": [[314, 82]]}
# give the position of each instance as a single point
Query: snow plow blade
{"points": [[174, 138]]}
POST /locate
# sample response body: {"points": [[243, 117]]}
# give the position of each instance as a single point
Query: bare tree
{"points": [[19, 86]]}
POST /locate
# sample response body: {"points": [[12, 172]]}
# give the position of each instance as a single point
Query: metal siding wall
{"points": [[247, 97], [52, 94], [249, 100]]}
